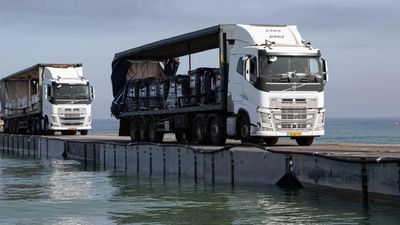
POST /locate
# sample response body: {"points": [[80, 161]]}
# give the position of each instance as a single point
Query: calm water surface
{"points": [[34, 191]]}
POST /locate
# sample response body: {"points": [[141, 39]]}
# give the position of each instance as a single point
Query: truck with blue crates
{"points": [[269, 84]]}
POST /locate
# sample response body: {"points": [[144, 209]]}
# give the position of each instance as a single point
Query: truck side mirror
{"points": [[247, 68], [251, 69], [325, 70], [92, 92], [47, 92]]}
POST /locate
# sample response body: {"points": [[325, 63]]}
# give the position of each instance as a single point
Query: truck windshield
{"points": [[290, 69], [66, 93]]}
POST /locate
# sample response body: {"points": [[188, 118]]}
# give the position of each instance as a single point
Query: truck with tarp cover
{"points": [[46, 98], [269, 84]]}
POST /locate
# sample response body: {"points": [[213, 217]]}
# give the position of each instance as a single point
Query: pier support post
{"points": [[364, 183]]}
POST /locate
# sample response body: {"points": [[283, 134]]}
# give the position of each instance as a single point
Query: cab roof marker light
{"points": [[307, 44], [269, 43]]}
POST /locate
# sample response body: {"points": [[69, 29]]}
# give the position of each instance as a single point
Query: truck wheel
{"points": [[154, 135], [216, 130], [244, 129], [305, 141], [46, 129], [83, 132], [143, 131], [200, 130], [46, 126], [38, 128], [133, 131], [271, 140]]}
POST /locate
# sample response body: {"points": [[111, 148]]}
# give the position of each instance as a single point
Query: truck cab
{"points": [[276, 85], [67, 100]]}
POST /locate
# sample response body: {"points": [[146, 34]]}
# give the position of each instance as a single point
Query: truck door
{"points": [[237, 81]]}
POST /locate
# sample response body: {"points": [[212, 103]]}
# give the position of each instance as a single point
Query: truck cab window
{"points": [[239, 67], [49, 91]]}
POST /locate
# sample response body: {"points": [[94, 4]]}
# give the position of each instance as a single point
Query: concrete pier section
{"points": [[365, 169]]}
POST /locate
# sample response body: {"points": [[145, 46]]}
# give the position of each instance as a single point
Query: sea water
{"points": [[36, 191]]}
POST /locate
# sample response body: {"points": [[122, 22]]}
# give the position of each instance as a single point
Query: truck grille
{"points": [[72, 116], [294, 114]]}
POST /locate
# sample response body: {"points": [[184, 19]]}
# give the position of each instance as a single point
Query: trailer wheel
{"points": [[271, 140], [154, 135], [244, 129], [216, 129], [305, 141], [133, 131], [143, 131], [200, 130]]}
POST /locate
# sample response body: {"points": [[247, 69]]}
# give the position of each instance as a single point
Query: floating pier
{"points": [[366, 169]]}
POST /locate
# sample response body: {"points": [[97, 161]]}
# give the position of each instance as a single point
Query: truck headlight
{"points": [[265, 119], [89, 119], [320, 119], [55, 120]]}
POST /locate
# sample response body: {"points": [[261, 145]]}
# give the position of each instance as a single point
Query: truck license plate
{"points": [[294, 134], [71, 128]]}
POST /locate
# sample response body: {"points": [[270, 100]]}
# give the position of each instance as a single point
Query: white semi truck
{"points": [[269, 84], [46, 98]]}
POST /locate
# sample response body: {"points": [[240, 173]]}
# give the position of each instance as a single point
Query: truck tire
{"points": [[200, 130], [133, 131], [46, 129], [46, 126], [143, 131], [216, 130], [83, 132], [271, 140], [305, 141], [244, 129], [38, 126], [154, 135]]}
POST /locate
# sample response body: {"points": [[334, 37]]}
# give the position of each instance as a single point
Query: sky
{"points": [[359, 39]]}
